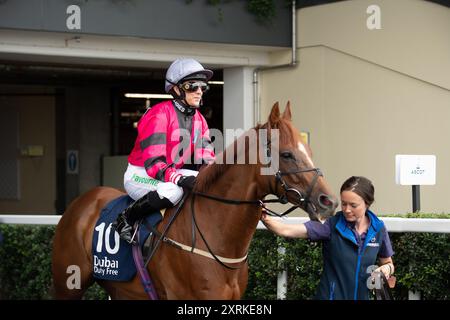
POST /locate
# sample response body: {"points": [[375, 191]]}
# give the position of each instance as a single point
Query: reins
{"points": [[162, 238], [194, 223], [303, 200]]}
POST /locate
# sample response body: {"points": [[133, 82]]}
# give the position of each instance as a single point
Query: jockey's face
{"points": [[193, 92]]}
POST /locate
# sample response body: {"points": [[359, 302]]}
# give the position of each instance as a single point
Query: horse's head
{"points": [[294, 176]]}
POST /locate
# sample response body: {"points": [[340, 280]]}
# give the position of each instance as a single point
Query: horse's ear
{"points": [[274, 114], [287, 112]]}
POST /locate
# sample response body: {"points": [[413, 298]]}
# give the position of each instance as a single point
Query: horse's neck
{"points": [[233, 225]]}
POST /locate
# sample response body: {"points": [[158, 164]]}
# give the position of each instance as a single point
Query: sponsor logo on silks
{"points": [[372, 243], [144, 180]]}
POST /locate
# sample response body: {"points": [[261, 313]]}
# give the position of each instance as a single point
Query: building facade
{"points": [[370, 81]]}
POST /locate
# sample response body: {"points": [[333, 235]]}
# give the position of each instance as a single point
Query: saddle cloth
{"points": [[112, 256]]}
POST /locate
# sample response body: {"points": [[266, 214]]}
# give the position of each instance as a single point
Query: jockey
{"points": [[173, 137]]}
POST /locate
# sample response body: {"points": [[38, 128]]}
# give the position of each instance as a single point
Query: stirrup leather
{"points": [[124, 229]]}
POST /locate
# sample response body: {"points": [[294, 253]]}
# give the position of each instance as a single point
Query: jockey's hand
{"points": [[187, 182]]}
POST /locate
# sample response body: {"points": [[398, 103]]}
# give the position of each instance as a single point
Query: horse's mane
{"points": [[208, 175], [211, 173]]}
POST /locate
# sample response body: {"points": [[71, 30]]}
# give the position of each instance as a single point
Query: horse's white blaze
{"points": [[302, 149]]}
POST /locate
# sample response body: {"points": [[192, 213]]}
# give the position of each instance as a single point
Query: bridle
{"points": [[303, 200]]}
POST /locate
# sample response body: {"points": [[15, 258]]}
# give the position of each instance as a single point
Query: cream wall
{"points": [[367, 95]]}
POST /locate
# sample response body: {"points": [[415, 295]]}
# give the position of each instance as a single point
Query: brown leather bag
{"points": [[391, 282], [384, 293]]}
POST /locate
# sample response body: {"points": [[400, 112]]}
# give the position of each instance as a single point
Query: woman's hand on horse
{"points": [[187, 182], [265, 218]]}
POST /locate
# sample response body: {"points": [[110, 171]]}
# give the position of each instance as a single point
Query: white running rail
{"points": [[392, 224]]}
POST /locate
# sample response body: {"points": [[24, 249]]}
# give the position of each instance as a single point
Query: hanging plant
{"points": [[263, 10]]}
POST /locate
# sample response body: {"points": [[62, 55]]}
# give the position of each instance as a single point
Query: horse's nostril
{"points": [[325, 201]]}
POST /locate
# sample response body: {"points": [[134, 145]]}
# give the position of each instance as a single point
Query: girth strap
{"points": [[204, 253], [201, 252]]}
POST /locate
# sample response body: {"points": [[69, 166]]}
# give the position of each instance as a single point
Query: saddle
{"points": [[113, 256]]}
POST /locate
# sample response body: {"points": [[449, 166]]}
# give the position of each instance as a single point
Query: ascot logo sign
{"points": [[415, 169]]}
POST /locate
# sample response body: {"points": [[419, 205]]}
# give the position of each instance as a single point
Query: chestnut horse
{"points": [[224, 229]]}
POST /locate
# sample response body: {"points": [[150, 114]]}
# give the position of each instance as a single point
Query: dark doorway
{"points": [[127, 111], [91, 114]]}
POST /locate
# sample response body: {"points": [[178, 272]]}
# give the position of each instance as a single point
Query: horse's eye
{"points": [[287, 155]]}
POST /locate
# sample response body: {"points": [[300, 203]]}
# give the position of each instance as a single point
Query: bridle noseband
{"points": [[303, 200]]}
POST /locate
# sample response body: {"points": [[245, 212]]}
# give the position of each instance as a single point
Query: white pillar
{"points": [[282, 276], [414, 295], [238, 98]]}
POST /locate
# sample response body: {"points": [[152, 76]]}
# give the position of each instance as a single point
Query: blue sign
{"points": [[72, 161]]}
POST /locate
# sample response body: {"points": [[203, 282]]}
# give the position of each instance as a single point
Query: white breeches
{"points": [[137, 183]]}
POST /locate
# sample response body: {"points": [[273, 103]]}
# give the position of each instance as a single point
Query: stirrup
{"points": [[132, 240], [128, 235], [124, 229]]}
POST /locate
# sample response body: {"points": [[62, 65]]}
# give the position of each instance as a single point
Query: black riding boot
{"points": [[149, 203]]}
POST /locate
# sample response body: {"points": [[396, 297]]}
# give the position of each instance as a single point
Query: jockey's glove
{"points": [[186, 182]]}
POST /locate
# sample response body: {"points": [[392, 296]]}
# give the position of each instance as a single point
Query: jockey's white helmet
{"points": [[185, 69]]}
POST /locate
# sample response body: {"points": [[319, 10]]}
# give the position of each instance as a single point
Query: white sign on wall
{"points": [[415, 169]]}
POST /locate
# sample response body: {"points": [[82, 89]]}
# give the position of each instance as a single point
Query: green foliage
{"points": [[303, 262], [422, 264], [263, 10], [25, 264], [262, 258], [421, 261]]}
